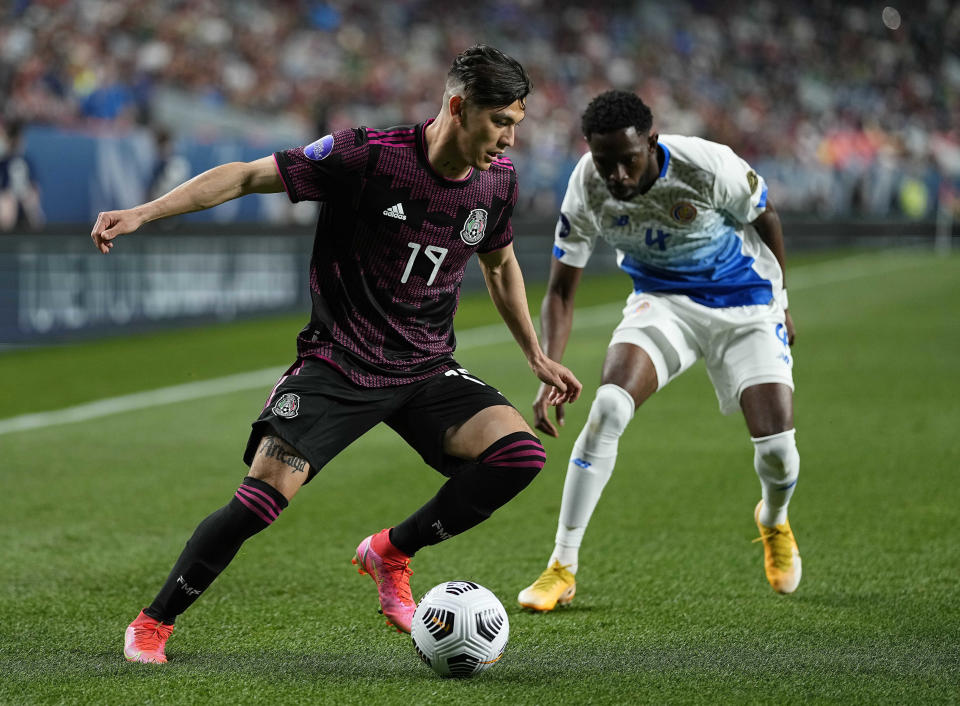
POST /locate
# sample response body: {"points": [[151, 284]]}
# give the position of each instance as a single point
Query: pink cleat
{"points": [[390, 570], [145, 639]]}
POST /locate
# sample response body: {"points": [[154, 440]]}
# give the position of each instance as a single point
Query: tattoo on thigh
{"points": [[274, 448]]}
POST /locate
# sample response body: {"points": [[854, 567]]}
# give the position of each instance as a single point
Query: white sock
{"points": [[591, 464], [777, 463]]}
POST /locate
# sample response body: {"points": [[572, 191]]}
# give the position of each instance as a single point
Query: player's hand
{"points": [[541, 417], [110, 224], [791, 330], [563, 385]]}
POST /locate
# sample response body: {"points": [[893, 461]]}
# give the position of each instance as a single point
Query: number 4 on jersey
{"points": [[659, 240]]}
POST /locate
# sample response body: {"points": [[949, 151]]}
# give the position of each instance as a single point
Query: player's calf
{"points": [[214, 543], [777, 464], [504, 469], [474, 492], [591, 465]]}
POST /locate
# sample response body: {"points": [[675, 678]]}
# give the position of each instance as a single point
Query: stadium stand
{"points": [[844, 110]]}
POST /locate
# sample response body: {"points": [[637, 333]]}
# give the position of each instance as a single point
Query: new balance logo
{"points": [[396, 212]]}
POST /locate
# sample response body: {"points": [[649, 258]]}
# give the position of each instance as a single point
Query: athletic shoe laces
{"points": [[781, 546], [399, 573], [151, 637], [550, 578]]}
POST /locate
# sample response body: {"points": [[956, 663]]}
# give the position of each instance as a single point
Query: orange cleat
{"points": [[145, 640], [390, 570]]}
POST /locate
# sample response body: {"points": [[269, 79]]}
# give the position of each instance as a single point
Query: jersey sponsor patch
{"points": [[683, 212], [319, 149], [287, 406], [474, 227]]}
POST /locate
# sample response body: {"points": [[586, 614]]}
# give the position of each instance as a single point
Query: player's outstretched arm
{"points": [[501, 271], [770, 231], [556, 322], [206, 190]]}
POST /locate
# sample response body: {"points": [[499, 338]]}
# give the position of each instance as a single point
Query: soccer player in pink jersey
{"points": [[402, 210]]}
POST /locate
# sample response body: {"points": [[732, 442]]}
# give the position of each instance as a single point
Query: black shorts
{"points": [[319, 412]]}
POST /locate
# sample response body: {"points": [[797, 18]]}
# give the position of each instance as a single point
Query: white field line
{"points": [[799, 278]]}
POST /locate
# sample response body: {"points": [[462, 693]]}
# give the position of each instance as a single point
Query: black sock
{"points": [[214, 543], [471, 496]]}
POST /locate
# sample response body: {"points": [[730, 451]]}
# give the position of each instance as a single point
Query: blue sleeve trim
{"points": [[558, 252], [666, 159], [762, 203]]}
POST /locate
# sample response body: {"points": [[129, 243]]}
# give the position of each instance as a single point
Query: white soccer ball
{"points": [[460, 629]]}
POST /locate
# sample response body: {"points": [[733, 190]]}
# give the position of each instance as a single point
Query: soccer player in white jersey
{"points": [[694, 228]]}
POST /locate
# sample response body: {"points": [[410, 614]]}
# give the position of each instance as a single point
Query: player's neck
{"points": [[443, 152], [653, 173]]}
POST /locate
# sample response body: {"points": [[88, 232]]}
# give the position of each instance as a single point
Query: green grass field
{"points": [[672, 605]]}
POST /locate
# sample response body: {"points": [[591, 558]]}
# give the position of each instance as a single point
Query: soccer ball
{"points": [[460, 629]]}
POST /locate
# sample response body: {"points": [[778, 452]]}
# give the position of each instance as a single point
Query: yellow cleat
{"points": [[781, 557], [555, 586]]}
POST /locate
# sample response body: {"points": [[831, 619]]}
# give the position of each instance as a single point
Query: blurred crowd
{"points": [[841, 105]]}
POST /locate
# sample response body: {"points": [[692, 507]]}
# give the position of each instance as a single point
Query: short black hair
{"points": [[615, 110], [488, 77]]}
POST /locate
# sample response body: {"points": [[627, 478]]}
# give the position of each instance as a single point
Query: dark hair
{"points": [[488, 77], [615, 110]]}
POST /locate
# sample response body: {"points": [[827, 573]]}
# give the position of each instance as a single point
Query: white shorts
{"points": [[741, 345]]}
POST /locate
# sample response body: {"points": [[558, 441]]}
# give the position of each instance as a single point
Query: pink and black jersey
{"points": [[392, 243]]}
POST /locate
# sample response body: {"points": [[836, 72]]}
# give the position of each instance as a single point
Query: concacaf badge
{"points": [[474, 227], [320, 149], [752, 180], [683, 212], [287, 406]]}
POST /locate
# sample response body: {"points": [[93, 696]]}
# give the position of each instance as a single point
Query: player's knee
{"points": [[611, 411], [776, 457], [520, 453]]}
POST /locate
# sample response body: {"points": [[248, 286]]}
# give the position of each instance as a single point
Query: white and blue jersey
{"points": [[689, 234]]}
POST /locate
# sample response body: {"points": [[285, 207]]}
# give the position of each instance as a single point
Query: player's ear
{"points": [[456, 105], [652, 141]]}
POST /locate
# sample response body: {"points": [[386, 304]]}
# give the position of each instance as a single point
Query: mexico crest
{"points": [[474, 227], [288, 406]]}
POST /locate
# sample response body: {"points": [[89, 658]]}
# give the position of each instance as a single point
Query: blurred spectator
{"points": [[836, 98], [19, 194], [170, 169]]}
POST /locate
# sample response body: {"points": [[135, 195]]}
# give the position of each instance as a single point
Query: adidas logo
{"points": [[396, 212]]}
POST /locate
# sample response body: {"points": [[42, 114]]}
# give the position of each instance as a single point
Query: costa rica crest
{"points": [[474, 227], [683, 212]]}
